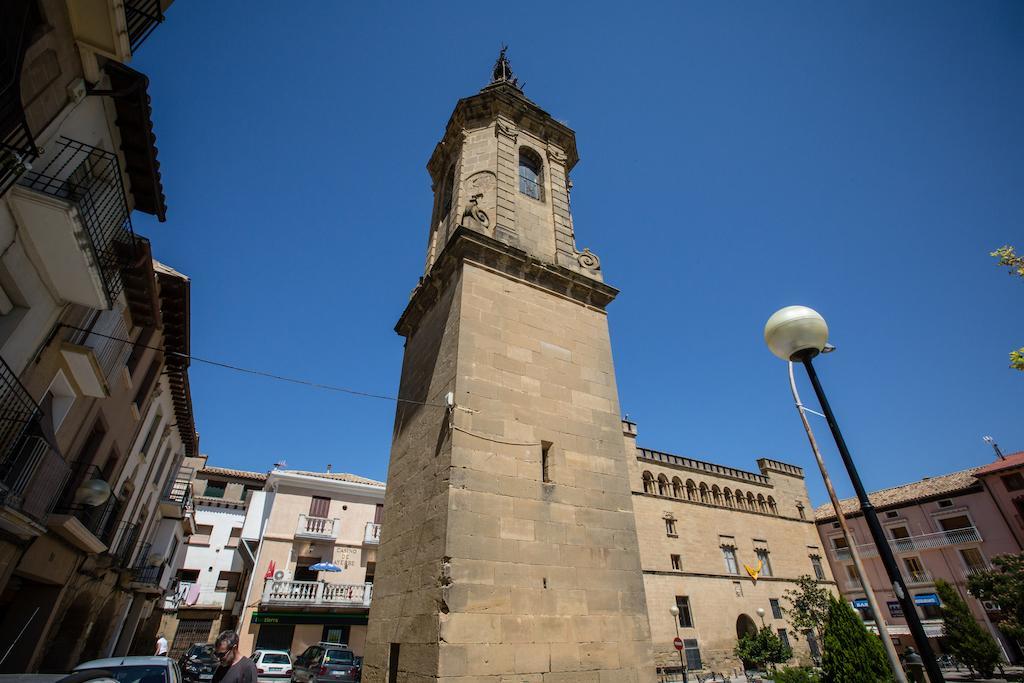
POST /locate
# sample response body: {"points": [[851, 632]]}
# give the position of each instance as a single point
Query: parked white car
{"points": [[136, 669], [272, 663]]}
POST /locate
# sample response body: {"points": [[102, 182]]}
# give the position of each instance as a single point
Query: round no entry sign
{"points": [[678, 643]]}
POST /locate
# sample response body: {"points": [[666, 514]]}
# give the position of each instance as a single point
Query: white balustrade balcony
{"points": [[316, 527], [938, 539], [372, 536], [317, 593], [918, 578]]}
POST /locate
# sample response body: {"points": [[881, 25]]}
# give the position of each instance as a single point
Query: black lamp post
{"points": [[798, 333]]}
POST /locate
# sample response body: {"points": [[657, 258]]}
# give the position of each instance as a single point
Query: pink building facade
{"points": [[946, 527]]}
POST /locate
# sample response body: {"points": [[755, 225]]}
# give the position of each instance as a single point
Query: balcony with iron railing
{"points": [[142, 16], [938, 539], [316, 527], [176, 500], [98, 349], [146, 575], [74, 210], [91, 527], [372, 534], [316, 594], [30, 470], [918, 578], [974, 570], [125, 542]]}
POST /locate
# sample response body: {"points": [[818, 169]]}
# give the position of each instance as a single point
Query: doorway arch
{"points": [[745, 626]]}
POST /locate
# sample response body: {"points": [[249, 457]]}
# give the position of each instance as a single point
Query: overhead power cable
{"points": [[259, 373]]}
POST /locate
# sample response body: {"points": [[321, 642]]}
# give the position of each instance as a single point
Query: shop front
{"points": [[295, 631]]}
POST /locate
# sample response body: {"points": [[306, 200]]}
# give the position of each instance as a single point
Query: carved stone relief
{"points": [[482, 205], [588, 259], [506, 130]]}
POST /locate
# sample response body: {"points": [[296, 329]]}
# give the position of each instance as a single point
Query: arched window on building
{"points": [[704, 498], [772, 506], [716, 495], [762, 505], [691, 490], [531, 179], [741, 502], [663, 487], [751, 501], [648, 482], [677, 487], [729, 502]]}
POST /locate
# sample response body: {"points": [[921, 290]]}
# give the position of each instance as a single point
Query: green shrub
{"points": [[852, 655], [965, 638], [795, 674]]}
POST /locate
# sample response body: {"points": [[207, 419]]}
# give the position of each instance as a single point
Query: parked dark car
{"points": [[198, 663], [325, 663]]}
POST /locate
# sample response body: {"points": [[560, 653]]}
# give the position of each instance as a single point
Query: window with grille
{"points": [[776, 608], [692, 651], [189, 632], [530, 179], [319, 507]]}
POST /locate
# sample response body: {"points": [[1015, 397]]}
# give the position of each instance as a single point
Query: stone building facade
{"points": [[91, 329], [509, 548], [705, 530]]}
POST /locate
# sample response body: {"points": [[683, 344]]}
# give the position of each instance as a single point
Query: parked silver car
{"points": [[325, 663], [136, 669]]}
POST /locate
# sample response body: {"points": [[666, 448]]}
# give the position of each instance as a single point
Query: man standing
{"points": [[233, 668], [161, 646]]}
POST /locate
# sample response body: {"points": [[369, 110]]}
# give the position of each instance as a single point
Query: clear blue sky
{"points": [[859, 158]]}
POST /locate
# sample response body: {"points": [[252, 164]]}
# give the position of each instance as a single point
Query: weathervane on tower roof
{"points": [[502, 72]]}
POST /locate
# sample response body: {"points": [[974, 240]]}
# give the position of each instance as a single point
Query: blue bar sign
{"points": [[861, 603], [927, 599]]}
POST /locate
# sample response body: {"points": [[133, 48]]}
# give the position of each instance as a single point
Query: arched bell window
{"points": [[531, 179]]}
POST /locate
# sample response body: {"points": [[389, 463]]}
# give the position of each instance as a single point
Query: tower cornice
{"points": [[502, 99], [470, 246]]}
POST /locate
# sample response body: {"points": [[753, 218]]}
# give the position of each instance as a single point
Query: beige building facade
{"points": [[705, 531], [298, 520], [89, 529], [509, 549]]}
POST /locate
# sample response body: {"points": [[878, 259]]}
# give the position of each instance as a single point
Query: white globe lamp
{"points": [[796, 332]]}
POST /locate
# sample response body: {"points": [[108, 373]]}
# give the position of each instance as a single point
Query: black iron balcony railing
{"points": [[17, 412], [17, 146], [142, 16], [126, 539], [109, 344], [143, 572], [100, 520], [31, 476], [179, 489], [90, 178]]}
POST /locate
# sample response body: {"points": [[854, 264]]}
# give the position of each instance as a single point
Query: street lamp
{"points": [[798, 333], [760, 613], [674, 611]]}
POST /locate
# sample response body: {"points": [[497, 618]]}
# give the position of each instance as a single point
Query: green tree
{"points": [[1003, 585], [852, 655], [808, 607], [1008, 257], [966, 639], [763, 647]]}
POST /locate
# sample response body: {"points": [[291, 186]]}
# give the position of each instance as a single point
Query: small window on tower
{"points": [[530, 180], [545, 461], [448, 190]]}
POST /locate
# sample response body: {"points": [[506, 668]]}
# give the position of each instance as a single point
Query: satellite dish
{"points": [[278, 575]]}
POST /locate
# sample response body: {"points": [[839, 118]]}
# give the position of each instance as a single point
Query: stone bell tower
{"points": [[508, 548]]}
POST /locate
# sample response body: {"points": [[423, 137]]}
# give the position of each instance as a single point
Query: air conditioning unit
{"points": [[990, 606], [155, 560]]}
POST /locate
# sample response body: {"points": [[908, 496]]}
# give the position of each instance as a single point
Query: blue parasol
{"points": [[325, 567]]}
